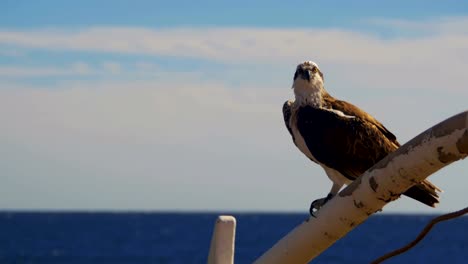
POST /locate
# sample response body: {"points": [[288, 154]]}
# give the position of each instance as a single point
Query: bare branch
{"points": [[421, 235]]}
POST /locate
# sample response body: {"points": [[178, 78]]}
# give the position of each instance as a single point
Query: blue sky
{"points": [[26, 14], [148, 105]]}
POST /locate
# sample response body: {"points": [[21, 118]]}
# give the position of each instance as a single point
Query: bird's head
{"points": [[308, 82]]}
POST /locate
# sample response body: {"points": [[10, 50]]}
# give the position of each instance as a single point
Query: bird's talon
{"points": [[315, 206], [311, 211], [313, 214]]}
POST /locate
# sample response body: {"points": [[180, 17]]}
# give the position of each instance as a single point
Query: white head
{"points": [[308, 84]]}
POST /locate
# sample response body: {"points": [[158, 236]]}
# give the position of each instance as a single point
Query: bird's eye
{"points": [[314, 70]]}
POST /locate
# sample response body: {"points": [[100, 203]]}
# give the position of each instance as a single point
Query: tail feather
{"points": [[425, 192]]}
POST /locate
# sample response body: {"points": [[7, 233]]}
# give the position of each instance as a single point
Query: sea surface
{"points": [[45, 237]]}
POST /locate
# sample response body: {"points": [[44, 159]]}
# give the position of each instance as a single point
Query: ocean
{"points": [[90, 237]]}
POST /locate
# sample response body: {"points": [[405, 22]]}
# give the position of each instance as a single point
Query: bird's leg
{"points": [[317, 204]]}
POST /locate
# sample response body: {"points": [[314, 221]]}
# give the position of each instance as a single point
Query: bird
{"points": [[339, 136]]}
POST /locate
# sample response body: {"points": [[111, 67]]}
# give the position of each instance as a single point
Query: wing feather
{"points": [[349, 145], [287, 112], [352, 110]]}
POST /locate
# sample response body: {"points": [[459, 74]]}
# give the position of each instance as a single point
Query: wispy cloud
{"points": [[146, 112], [78, 68], [112, 67], [260, 45], [11, 52], [441, 25], [354, 63]]}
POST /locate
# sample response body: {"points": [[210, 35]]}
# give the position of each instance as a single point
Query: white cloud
{"points": [[430, 61], [75, 69], [78, 68], [158, 111], [147, 66], [81, 68], [261, 45], [12, 52], [441, 25], [112, 67]]}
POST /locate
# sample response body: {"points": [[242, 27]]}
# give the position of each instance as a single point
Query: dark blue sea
{"points": [[185, 238]]}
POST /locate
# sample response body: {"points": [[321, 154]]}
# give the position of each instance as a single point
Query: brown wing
{"points": [[352, 110], [348, 145], [351, 145]]}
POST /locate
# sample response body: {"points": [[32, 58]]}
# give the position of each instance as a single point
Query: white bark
{"points": [[425, 154], [222, 242]]}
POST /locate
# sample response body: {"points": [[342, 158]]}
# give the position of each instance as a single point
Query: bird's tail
{"points": [[425, 192]]}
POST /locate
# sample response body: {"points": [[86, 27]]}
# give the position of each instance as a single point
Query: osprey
{"points": [[343, 139]]}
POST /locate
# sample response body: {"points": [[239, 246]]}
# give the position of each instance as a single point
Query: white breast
{"points": [[299, 140], [334, 175]]}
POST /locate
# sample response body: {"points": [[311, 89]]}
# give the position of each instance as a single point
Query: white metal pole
{"points": [[222, 241], [425, 154]]}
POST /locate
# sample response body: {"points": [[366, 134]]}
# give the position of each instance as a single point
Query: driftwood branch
{"points": [[421, 235], [425, 154]]}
